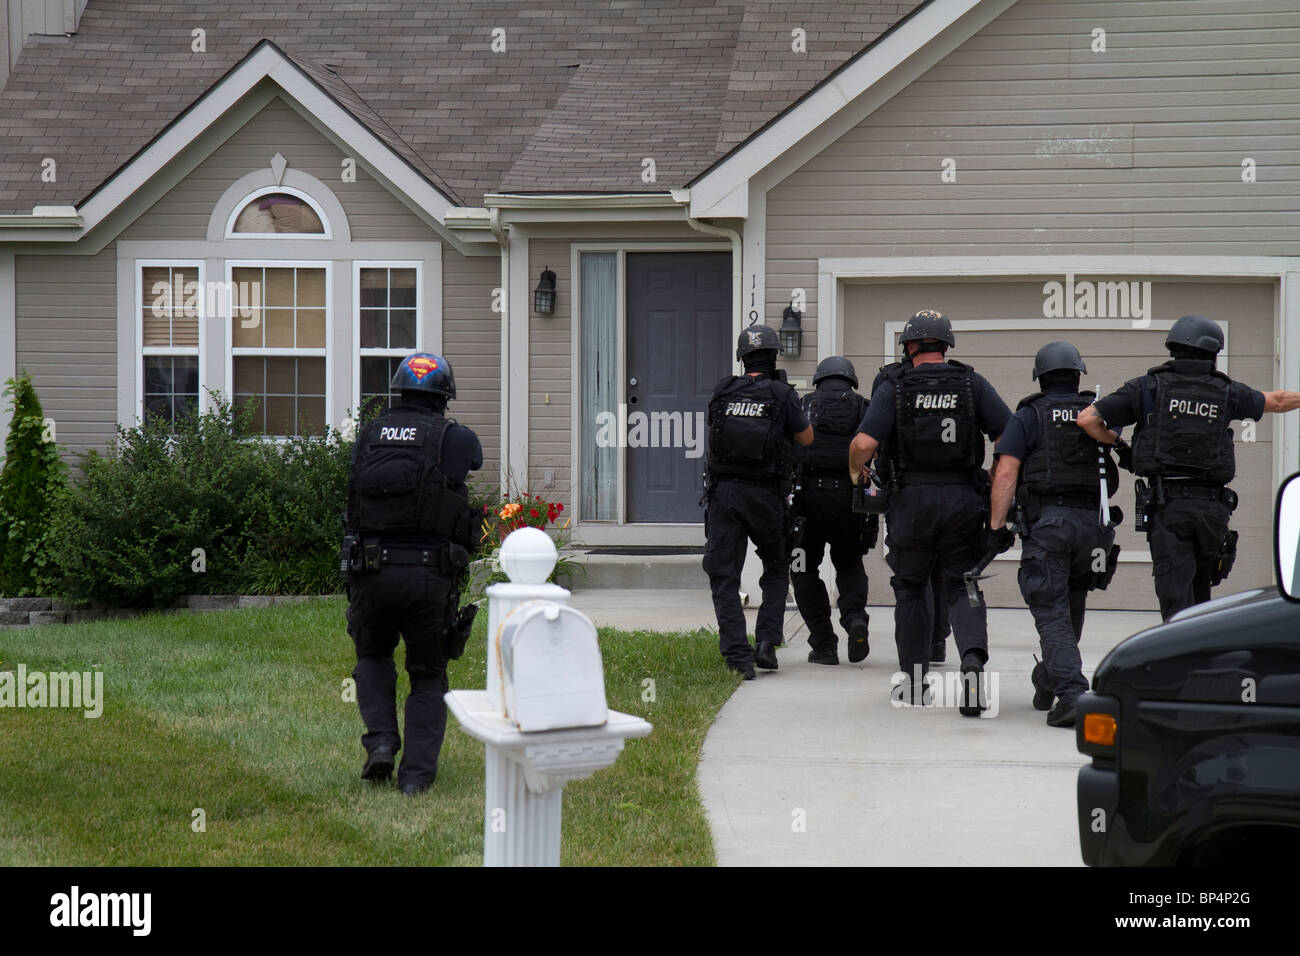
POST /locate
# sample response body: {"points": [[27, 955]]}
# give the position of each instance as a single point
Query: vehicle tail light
{"points": [[1099, 729]]}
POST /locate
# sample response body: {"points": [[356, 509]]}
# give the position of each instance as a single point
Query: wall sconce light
{"points": [[791, 331], [544, 294]]}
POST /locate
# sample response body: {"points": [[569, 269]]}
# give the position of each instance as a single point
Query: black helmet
{"points": [[928, 324], [1058, 356], [1198, 332], [425, 372], [834, 366], [757, 338]]}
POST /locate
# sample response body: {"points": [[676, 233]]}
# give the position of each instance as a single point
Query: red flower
{"points": [[559, 507], [533, 512]]}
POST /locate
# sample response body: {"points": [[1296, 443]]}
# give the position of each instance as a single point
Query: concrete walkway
{"points": [[812, 765]]}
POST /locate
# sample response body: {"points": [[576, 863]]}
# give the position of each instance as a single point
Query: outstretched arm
{"points": [[1281, 401]]}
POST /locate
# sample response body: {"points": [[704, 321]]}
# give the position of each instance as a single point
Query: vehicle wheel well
{"points": [[1237, 844]]}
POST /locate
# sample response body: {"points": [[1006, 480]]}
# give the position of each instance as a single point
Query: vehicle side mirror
{"points": [[1286, 538]]}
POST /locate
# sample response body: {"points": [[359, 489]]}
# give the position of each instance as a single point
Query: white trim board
{"points": [[302, 93], [1285, 270], [8, 331]]}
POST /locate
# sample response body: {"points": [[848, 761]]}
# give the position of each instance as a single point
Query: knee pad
{"points": [[910, 593]]}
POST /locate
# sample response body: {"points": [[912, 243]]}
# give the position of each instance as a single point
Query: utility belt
{"points": [[964, 476], [1034, 503], [765, 481], [824, 480], [361, 555], [1151, 496]]}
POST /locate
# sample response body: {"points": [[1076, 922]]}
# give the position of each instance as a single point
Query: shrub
{"points": [[267, 516], [31, 482]]}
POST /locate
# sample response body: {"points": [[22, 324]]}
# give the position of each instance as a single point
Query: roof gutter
{"points": [[683, 198], [44, 217], [580, 200]]}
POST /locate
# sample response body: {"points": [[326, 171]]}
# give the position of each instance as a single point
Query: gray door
{"points": [[678, 346]]}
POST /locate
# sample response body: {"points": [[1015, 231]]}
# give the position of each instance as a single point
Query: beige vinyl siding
{"points": [[373, 212], [1005, 358], [551, 365], [66, 337], [471, 337], [1060, 150]]}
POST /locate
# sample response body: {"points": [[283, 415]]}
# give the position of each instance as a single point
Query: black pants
{"points": [[414, 602], [934, 527], [737, 514], [829, 520], [1185, 537], [1057, 563]]}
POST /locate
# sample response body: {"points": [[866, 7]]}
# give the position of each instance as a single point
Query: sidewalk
{"points": [[811, 765]]}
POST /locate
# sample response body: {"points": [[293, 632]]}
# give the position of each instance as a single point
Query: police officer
{"points": [[752, 420], [1183, 445], [410, 529], [931, 418], [934, 592], [1052, 469], [834, 410]]}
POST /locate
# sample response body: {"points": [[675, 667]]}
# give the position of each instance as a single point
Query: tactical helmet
{"points": [[1058, 356], [928, 324], [834, 366], [1198, 332], [425, 372], [757, 338]]}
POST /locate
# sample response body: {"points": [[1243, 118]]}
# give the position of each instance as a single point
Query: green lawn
{"points": [[240, 713]]}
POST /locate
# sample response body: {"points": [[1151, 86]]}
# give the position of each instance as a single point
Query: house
{"points": [[278, 201]]}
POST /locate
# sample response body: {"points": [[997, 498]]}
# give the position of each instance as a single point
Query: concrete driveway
{"points": [[812, 765]]}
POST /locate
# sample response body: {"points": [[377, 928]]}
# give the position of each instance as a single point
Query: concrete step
{"points": [[642, 570]]}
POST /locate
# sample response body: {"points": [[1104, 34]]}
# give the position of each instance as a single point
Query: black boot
{"points": [[765, 656], [972, 681], [858, 646], [1043, 695]]}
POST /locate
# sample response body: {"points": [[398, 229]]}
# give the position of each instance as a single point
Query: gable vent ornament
{"points": [[278, 165]]}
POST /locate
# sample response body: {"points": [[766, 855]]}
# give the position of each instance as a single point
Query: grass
{"points": [[241, 714]]}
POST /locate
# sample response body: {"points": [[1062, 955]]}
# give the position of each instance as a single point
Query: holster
{"points": [[1141, 507], [794, 524], [1224, 559], [870, 532], [458, 631], [1101, 580], [347, 553]]}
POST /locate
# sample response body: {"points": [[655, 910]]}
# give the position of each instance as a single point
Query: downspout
{"points": [[502, 234], [737, 272]]}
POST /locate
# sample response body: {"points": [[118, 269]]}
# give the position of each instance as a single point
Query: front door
{"points": [[678, 346]]}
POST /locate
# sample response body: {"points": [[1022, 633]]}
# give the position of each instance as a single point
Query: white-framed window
{"points": [[169, 327], [387, 313], [279, 211], [278, 344]]}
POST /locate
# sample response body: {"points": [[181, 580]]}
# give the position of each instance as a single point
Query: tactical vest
{"points": [[747, 422], [935, 425], [834, 415], [1065, 459], [396, 487], [1186, 434]]}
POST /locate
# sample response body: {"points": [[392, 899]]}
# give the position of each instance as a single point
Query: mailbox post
{"points": [[548, 677]]}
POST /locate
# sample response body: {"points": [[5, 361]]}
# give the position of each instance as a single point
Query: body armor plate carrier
{"points": [[1187, 435], [1065, 459], [935, 428], [834, 415], [396, 488], [747, 422]]}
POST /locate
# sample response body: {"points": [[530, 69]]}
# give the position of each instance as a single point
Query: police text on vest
{"points": [[1185, 406], [749, 409], [936, 401], [393, 433]]}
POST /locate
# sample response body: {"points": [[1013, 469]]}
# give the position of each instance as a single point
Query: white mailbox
{"points": [[551, 669]]}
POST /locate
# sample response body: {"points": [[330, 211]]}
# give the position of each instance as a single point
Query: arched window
{"points": [[279, 211]]}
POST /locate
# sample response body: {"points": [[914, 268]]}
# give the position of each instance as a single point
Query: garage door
{"points": [[1000, 325]]}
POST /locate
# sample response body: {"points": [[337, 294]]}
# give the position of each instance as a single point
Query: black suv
{"points": [[1194, 729]]}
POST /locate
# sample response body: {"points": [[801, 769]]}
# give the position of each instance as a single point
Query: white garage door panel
{"points": [[999, 327]]}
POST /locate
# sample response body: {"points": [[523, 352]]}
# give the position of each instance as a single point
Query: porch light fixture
{"points": [[791, 331], [544, 294]]}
